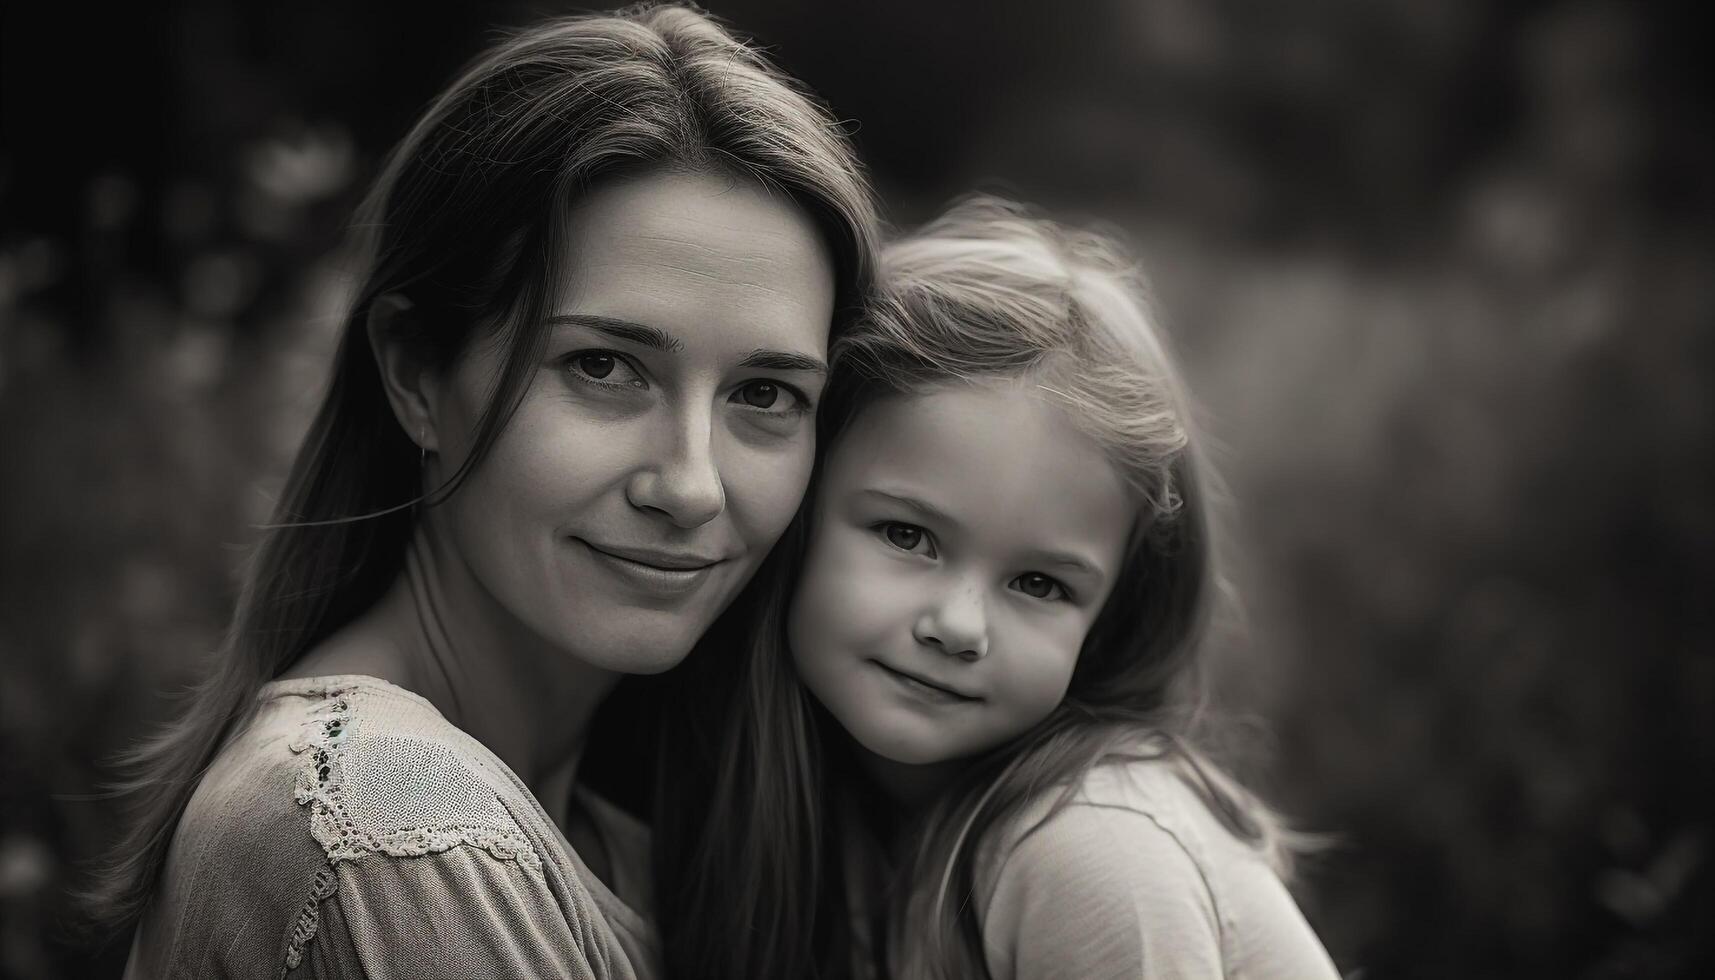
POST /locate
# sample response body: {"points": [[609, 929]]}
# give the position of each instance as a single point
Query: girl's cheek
{"points": [[888, 595], [818, 614], [1040, 682], [866, 613]]}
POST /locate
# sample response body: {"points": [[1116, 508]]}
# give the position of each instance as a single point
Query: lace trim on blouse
{"points": [[387, 794]]}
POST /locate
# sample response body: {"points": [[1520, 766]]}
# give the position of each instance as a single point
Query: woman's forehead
{"points": [[681, 251]]}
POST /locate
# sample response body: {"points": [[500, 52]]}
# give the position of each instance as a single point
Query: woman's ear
{"points": [[410, 382]]}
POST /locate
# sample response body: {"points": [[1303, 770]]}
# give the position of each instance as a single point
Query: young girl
{"points": [[1007, 573]]}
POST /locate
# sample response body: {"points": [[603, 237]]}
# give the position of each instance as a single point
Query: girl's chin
{"points": [[911, 756], [883, 738]]}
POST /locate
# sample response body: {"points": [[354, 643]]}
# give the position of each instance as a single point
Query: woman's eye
{"points": [[604, 369], [760, 394], [1039, 586], [770, 396], [906, 537], [595, 365]]}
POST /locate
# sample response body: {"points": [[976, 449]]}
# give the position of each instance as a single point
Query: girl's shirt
{"points": [[1137, 877], [351, 830]]}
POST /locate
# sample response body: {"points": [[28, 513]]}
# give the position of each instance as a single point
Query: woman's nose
{"points": [[957, 625], [682, 481]]}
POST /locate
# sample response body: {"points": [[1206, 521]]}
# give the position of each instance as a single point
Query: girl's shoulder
{"points": [[1130, 872], [1164, 789], [1155, 795], [349, 820]]}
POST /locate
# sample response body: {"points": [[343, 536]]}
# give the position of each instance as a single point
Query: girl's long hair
{"points": [[985, 293], [465, 220]]}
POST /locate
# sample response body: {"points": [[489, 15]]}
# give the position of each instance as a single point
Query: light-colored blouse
{"points": [[352, 831], [1137, 878]]}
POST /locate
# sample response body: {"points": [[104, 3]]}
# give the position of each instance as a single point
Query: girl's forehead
{"points": [[991, 425], [1000, 462]]}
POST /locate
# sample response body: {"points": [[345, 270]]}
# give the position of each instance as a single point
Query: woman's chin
{"points": [[635, 649]]}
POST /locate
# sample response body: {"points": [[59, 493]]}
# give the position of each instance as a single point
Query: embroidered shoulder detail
{"points": [[379, 792]]}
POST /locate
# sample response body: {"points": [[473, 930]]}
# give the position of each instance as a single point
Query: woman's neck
{"points": [[437, 633]]}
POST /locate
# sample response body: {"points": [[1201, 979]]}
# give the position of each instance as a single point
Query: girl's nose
{"points": [[683, 482], [957, 625]]}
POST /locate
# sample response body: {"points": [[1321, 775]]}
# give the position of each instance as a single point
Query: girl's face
{"points": [[667, 436], [963, 543]]}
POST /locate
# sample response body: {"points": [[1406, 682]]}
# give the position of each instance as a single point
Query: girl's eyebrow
{"points": [[909, 502], [1065, 561]]}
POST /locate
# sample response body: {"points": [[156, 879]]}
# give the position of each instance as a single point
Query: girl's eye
{"points": [[907, 537], [771, 397], [604, 369], [1039, 586]]}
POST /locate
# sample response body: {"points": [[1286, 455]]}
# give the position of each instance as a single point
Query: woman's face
{"points": [[668, 433]]}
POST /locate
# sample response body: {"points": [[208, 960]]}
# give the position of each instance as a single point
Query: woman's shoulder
{"points": [[377, 770], [333, 784], [365, 766]]}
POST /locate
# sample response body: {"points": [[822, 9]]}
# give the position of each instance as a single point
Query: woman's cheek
{"points": [[553, 450], [764, 488]]}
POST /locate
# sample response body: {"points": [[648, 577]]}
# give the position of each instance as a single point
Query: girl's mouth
{"points": [[924, 689]]}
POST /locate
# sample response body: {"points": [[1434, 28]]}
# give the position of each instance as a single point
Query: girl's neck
{"points": [[438, 633], [911, 787], [907, 792]]}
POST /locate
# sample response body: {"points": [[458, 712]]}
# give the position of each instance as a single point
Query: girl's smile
{"points": [[923, 689]]}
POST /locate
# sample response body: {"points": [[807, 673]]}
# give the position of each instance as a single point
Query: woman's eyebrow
{"points": [[657, 339], [779, 360], [638, 333]]}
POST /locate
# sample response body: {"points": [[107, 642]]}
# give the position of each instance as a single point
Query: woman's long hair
{"points": [[985, 293], [466, 221]]}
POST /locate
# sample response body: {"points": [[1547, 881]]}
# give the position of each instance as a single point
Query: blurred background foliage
{"points": [[1440, 270]]}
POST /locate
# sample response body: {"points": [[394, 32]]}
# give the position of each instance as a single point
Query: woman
{"points": [[572, 411]]}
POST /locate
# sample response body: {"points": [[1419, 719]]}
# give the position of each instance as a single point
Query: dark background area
{"points": [[1440, 271]]}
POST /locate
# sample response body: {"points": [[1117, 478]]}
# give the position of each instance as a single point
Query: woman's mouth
{"points": [[654, 571]]}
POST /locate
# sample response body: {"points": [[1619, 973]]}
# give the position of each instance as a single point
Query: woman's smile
{"points": [[654, 571]]}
